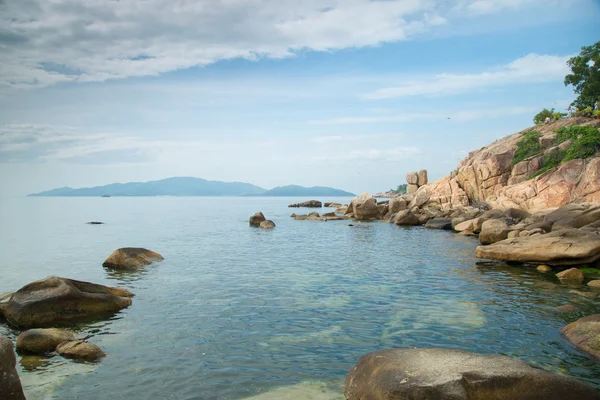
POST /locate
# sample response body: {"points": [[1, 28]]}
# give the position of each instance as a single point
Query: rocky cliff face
{"points": [[488, 175]]}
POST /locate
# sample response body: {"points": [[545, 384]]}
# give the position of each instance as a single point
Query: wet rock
{"points": [[544, 268], [572, 275], [131, 258], [41, 341], [405, 217], [268, 224], [564, 247], [594, 284], [10, 384], [439, 223], [80, 349], [309, 204], [256, 219], [55, 300], [585, 334], [400, 374], [492, 231]]}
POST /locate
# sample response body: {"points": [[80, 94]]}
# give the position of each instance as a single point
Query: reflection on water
{"points": [[235, 312]]}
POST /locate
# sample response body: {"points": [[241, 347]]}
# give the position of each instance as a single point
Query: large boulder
{"points": [[564, 247], [56, 300], [131, 258], [309, 204], [397, 204], [587, 217], [363, 207], [80, 349], [412, 178], [405, 217], [439, 223], [40, 341], [422, 179], [256, 219], [492, 231], [10, 385], [410, 189], [444, 374], [474, 225], [585, 334]]}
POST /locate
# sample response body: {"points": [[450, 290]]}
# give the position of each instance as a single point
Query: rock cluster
{"points": [[258, 220], [64, 342], [415, 180], [309, 204]]}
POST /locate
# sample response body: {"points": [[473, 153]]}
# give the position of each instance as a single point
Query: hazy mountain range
{"points": [[190, 187]]}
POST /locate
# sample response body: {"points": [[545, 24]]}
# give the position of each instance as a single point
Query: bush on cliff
{"points": [[540, 117], [528, 146], [586, 141]]}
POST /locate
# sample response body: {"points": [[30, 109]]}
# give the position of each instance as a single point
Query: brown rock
{"points": [[402, 374], [422, 177], [10, 384], [420, 199], [439, 223], [594, 284], [544, 268], [492, 231], [587, 217], [567, 307], [57, 300], [131, 258], [364, 207], [268, 224], [572, 275], [410, 189], [397, 204], [405, 217], [585, 334], [383, 209], [309, 204], [412, 178], [81, 350], [40, 341], [256, 219], [564, 247]]}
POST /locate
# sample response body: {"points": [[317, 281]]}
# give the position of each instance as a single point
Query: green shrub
{"points": [[528, 146], [550, 161], [556, 115], [540, 117], [583, 147], [597, 113], [586, 112]]}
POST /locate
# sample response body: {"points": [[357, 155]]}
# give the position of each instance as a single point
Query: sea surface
{"points": [[237, 312]]}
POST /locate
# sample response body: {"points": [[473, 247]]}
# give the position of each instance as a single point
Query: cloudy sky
{"points": [[345, 93]]}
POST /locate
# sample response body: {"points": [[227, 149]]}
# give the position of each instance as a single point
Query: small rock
{"points": [[95, 223], [40, 341], [544, 268], [268, 224], [131, 258], [256, 219], [571, 275], [81, 350], [595, 284]]}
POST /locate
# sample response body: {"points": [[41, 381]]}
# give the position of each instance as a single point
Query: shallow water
{"points": [[236, 312]]}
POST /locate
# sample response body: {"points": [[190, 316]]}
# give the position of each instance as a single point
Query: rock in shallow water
{"points": [[256, 219], [81, 350], [40, 341], [572, 275], [564, 247], [585, 334], [131, 258], [56, 300], [400, 374], [10, 385], [439, 223], [268, 224]]}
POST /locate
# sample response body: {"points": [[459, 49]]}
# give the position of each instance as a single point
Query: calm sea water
{"points": [[236, 312]]}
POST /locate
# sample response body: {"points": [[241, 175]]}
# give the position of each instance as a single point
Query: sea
{"points": [[235, 312]]}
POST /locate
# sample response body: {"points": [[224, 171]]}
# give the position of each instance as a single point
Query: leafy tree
{"points": [[585, 76], [541, 116]]}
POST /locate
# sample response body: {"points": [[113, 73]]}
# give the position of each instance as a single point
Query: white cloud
{"points": [[532, 68], [469, 115], [46, 42]]}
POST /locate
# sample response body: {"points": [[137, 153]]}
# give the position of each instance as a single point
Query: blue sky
{"points": [[345, 93]]}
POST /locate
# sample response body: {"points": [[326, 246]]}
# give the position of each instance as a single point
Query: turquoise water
{"points": [[236, 312]]}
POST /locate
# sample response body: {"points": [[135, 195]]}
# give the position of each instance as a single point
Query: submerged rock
{"points": [[56, 300], [400, 374], [268, 224], [585, 334], [131, 258], [564, 247], [544, 268], [80, 349], [40, 341], [10, 384], [257, 218], [572, 275]]}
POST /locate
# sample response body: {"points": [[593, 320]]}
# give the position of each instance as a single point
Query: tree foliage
{"points": [[585, 76]]}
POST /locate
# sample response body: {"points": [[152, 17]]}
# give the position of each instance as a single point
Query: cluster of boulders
{"points": [[258, 220], [40, 306], [415, 180], [309, 204], [315, 216]]}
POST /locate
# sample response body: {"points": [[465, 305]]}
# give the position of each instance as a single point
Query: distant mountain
{"points": [[294, 190], [190, 187], [164, 187]]}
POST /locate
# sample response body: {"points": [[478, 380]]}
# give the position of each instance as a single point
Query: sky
{"points": [[351, 94]]}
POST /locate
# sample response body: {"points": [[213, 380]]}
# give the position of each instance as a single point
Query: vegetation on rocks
{"points": [[585, 76], [586, 141], [528, 146]]}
